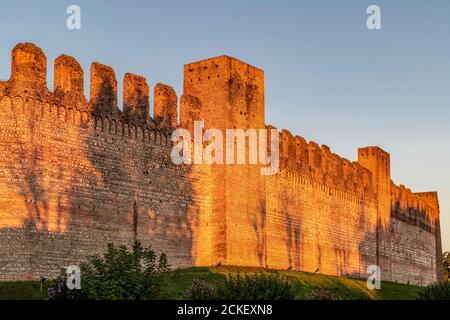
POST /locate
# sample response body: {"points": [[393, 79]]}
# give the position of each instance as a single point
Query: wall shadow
{"points": [[80, 180]]}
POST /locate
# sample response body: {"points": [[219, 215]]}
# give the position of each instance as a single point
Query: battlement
{"points": [[318, 162], [28, 67], [28, 80], [165, 105], [414, 208], [135, 98], [431, 198], [69, 81]]}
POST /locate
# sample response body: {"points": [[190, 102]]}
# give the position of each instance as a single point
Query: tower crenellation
{"points": [[103, 90], [165, 110], [135, 98], [69, 81], [28, 68]]}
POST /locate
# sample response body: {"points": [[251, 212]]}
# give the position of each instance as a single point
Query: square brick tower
{"points": [[378, 162], [231, 95]]}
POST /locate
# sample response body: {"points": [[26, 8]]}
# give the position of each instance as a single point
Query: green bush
{"points": [[118, 275], [256, 287], [201, 290], [436, 291]]}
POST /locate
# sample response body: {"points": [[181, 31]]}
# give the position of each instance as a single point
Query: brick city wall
{"points": [[77, 174]]}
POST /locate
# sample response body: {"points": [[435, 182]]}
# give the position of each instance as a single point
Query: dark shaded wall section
{"points": [[75, 175]]}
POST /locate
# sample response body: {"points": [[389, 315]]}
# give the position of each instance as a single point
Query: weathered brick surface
{"points": [[190, 111], [103, 90], [135, 98], [77, 174], [231, 94], [318, 228], [165, 105], [68, 81], [71, 186]]}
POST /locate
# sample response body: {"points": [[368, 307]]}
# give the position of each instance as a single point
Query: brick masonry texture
{"points": [[77, 174]]}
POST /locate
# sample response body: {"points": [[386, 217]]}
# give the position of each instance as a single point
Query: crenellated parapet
{"points": [[319, 163], [414, 208], [28, 83], [430, 198], [27, 92]]}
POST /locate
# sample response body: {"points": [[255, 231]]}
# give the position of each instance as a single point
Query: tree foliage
{"points": [[446, 261], [436, 291], [120, 274]]}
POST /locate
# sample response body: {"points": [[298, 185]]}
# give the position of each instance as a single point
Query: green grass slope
{"points": [[22, 290], [178, 282]]}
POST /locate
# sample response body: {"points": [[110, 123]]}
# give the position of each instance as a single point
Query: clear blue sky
{"points": [[328, 78]]}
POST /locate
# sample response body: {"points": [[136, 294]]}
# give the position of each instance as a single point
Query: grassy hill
{"points": [[178, 282]]}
